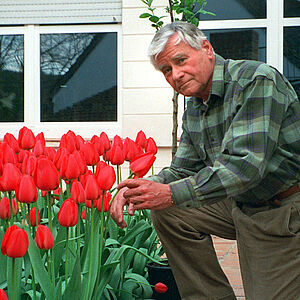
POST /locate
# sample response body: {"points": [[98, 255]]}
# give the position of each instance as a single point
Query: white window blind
{"points": [[17, 12]]}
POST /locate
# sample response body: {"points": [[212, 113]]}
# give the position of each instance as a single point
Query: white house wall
{"points": [[147, 98]]}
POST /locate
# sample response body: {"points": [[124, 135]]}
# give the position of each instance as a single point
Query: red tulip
{"points": [[40, 137], [68, 141], [117, 141], [88, 203], [3, 296], [105, 141], [69, 168], [79, 141], [117, 156], [68, 213], [107, 198], [50, 153], [26, 191], [160, 288], [142, 164], [90, 154], [98, 145], [12, 142], [91, 188], [38, 148], [15, 242], [46, 176], [77, 192], [32, 217], [5, 208], [83, 178], [151, 146], [131, 149], [29, 165], [10, 177], [141, 139], [106, 178], [8, 154], [84, 215], [26, 138], [44, 238], [60, 153]]}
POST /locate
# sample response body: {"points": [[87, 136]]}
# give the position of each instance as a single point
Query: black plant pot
{"points": [[158, 273]]}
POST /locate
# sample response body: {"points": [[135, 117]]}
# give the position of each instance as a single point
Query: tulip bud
{"points": [[77, 192], [69, 168], [107, 197], [151, 146], [26, 191], [8, 154], [38, 148], [160, 288], [91, 188], [68, 213], [15, 242], [142, 164], [12, 142], [141, 139], [106, 178], [117, 156], [105, 141], [90, 154], [44, 238], [26, 138], [5, 208], [3, 295], [32, 217], [84, 215], [46, 176], [10, 177]]}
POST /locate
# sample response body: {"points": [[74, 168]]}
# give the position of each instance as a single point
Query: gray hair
{"points": [[186, 32]]}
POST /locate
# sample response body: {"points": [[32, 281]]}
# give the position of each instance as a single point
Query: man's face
{"points": [[187, 70]]}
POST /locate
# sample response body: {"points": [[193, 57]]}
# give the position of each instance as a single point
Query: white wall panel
{"points": [[60, 11]]}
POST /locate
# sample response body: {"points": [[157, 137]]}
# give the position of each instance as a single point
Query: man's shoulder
{"points": [[245, 71]]}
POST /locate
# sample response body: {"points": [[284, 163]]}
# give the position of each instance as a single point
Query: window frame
{"points": [[32, 83]]}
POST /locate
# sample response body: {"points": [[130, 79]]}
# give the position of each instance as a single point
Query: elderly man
{"points": [[235, 174]]}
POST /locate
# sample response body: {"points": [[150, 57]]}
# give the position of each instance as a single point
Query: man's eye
{"points": [[181, 60], [167, 70]]}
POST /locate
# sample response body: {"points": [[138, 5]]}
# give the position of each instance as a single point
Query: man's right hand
{"points": [[117, 207]]}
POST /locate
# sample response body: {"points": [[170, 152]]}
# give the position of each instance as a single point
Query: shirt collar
{"points": [[217, 85]]}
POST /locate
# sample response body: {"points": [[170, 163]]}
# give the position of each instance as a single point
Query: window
{"points": [[11, 78], [70, 79], [265, 30]]}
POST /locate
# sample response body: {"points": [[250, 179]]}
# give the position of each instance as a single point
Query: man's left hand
{"points": [[145, 194]]}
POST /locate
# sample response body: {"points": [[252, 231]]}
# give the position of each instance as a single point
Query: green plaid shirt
{"points": [[244, 143]]}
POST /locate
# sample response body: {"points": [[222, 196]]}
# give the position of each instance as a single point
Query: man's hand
{"points": [[145, 194], [117, 207]]}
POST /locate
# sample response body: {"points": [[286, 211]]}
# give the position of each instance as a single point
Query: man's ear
{"points": [[207, 47]]}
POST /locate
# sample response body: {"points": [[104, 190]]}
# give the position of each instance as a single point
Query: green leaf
{"points": [[145, 15], [147, 289], [73, 290], [59, 248], [139, 262], [137, 229], [154, 19], [37, 263], [15, 282]]}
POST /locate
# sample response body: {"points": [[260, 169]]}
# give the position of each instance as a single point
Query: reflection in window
{"points": [[291, 56], [248, 43], [11, 78], [79, 77], [291, 8], [234, 9]]}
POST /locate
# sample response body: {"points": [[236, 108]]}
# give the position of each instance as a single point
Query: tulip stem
{"points": [[11, 221], [102, 229], [78, 228], [13, 279], [91, 251], [49, 211], [66, 262]]}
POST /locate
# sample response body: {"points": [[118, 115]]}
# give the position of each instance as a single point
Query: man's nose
{"points": [[177, 73]]}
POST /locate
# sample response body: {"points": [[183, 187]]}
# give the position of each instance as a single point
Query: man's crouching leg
{"points": [[191, 254]]}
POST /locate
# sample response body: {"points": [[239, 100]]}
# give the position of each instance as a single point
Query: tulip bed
{"points": [[57, 238]]}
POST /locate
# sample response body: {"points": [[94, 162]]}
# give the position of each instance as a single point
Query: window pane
{"points": [[248, 43], [291, 56], [79, 77], [234, 9], [11, 78], [291, 8]]}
